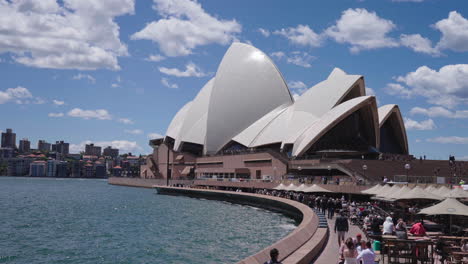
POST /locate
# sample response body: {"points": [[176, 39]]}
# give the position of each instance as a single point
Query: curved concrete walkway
{"points": [[329, 254]]}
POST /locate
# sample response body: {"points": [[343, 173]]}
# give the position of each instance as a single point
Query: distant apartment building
{"points": [[8, 139], [6, 153], [24, 146], [100, 170], [62, 169], [111, 152], [18, 166], [88, 170], [43, 146], [76, 168], [38, 169], [61, 147], [92, 150], [52, 168]]}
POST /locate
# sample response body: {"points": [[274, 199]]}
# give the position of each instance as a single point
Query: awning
{"points": [[257, 160], [186, 170], [315, 188], [242, 170]]}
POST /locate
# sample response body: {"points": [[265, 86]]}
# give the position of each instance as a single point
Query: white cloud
{"points": [[398, 89], [278, 54], [301, 35], [423, 125], [166, 83], [449, 140], [265, 32], [18, 95], [155, 58], [126, 121], [154, 135], [418, 43], [124, 146], [370, 91], [363, 30], [191, 70], [297, 58], [81, 76], [58, 102], [100, 114], [465, 158], [297, 87], [454, 31], [438, 111], [55, 115], [447, 87], [69, 34], [134, 131], [185, 26]]}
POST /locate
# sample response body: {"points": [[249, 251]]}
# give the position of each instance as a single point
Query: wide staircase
{"points": [[323, 223]]}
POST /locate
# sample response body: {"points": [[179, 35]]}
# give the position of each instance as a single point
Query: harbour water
{"points": [[89, 221]]}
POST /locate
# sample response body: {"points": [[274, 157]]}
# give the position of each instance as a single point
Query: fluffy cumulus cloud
{"points": [[165, 82], [124, 146], [454, 31], [363, 30], [370, 91], [126, 121], [81, 76], [301, 35], [18, 95], [68, 34], [297, 58], [154, 135], [191, 70], [449, 140], [55, 115], [398, 89], [100, 114], [184, 26], [437, 111], [420, 44], [58, 102], [411, 124], [155, 58], [447, 86], [265, 32], [134, 131]]}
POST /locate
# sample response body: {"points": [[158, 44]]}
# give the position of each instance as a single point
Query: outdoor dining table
{"points": [[459, 255], [413, 249]]}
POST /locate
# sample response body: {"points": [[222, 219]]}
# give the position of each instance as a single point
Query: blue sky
{"points": [[115, 72]]}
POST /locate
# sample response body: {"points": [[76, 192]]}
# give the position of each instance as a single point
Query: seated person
{"points": [[388, 227], [400, 229], [464, 245], [375, 227], [418, 229]]}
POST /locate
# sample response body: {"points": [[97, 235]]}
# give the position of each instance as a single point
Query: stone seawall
{"points": [[301, 246]]}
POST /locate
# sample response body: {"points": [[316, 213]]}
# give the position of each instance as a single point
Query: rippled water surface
{"points": [[88, 221]]}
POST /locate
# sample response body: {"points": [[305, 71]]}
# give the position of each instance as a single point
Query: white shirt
{"points": [[367, 256], [387, 228]]}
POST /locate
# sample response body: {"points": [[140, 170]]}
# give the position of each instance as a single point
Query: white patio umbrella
{"points": [[418, 193], [300, 188], [449, 206], [280, 187], [388, 192], [395, 195], [290, 187], [372, 190], [457, 193], [441, 191], [315, 188]]}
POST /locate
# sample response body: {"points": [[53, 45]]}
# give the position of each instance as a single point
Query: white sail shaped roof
{"points": [[393, 111], [332, 118], [247, 86], [249, 102], [193, 129]]}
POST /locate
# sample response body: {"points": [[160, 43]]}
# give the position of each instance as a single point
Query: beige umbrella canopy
{"points": [[393, 196], [457, 193], [430, 188], [388, 192], [418, 193], [290, 187], [315, 188], [300, 188], [449, 206], [441, 191], [280, 187], [372, 190]]}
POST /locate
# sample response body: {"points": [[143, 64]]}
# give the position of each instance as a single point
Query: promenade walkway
{"points": [[329, 254]]}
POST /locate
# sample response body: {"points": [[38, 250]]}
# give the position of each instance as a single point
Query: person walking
{"points": [[274, 253], [342, 226], [331, 208]]}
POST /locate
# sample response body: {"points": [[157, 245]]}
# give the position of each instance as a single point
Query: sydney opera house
{"points": [[245, 123]]}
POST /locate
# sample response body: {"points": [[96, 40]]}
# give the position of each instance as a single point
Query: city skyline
{"points": [[145, 63]]}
